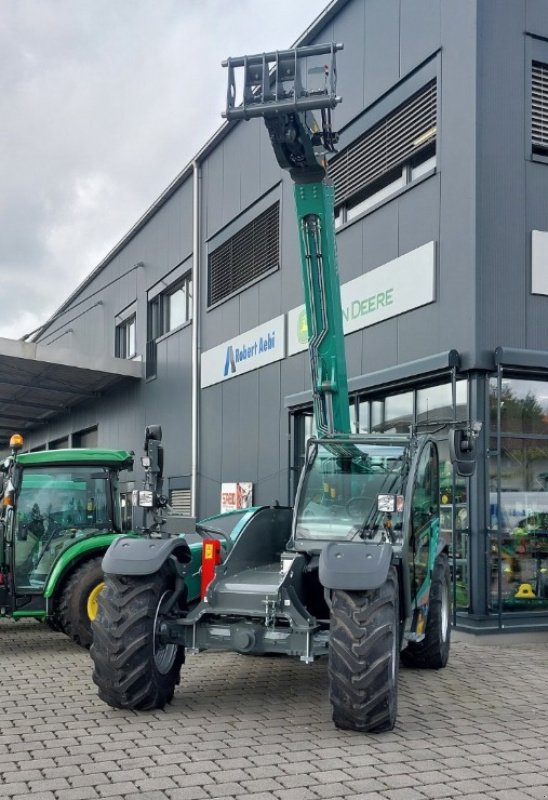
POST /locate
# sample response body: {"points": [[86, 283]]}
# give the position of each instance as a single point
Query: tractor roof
{"points": [[121, 459]]}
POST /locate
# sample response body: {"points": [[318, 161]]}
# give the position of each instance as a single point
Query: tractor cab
{"points": [[351, 490], [60, 511], [57, 506]]}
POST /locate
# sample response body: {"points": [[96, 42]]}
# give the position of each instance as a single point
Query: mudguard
{"points": [[354, 566], [143, 556]]}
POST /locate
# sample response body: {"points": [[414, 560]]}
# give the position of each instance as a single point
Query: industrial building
{"points": [[195, 319]]}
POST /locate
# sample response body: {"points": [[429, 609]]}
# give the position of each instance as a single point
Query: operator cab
{"points": [[350, 490], [56, 506]]}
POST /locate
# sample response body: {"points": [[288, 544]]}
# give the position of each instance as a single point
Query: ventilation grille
{"points": [[539, 110], [180, 501], [247, 255], [393, 141]]}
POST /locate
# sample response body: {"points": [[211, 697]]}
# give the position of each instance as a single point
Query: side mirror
{"points": [[462, 449], [154, 458]]}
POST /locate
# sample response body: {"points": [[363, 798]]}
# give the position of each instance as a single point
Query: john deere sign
{"points": [[400, 285]]}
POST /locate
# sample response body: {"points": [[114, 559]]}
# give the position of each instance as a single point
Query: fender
{"points": [[73, 553], [143, 556], [354, 566]]}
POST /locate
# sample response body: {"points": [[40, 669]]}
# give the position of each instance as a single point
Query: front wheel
{"points": [[364, 645], [433, 651], [132, 668]]}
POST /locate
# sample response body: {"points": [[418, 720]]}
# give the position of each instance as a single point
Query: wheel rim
{"points": [[164, 654], [92, 606], [445, 613]]}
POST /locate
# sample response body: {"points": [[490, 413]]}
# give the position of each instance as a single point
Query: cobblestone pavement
{"points": [[260, 728]]}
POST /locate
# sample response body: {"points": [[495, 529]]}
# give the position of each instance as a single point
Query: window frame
{"points": [[374, 194], [122, 340], [536, 51]]}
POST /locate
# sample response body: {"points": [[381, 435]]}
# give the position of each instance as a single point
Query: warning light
{"points": [[211, 556], [16, 441]]}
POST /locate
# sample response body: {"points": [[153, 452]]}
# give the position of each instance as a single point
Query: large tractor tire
{"points": [[433, 651], [78, 605], [364, 647], [54, 622], [132, 668]]}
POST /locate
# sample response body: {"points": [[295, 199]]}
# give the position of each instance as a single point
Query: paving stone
{"points": [[261, 729]]}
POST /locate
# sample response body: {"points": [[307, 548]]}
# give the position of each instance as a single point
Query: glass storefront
{"points": [[518, 495]]}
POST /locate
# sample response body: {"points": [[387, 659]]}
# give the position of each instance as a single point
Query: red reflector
{"points": [[211, 556]]}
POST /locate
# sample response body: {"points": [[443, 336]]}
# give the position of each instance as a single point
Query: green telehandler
{"points": [[358, 570]]}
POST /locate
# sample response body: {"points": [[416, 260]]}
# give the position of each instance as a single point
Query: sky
{"points": [[102, 104]]}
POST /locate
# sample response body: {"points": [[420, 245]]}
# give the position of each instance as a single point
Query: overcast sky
{"points": [[102, 103]]}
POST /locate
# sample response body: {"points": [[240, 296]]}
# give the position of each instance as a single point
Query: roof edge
{"points": [[321, 20]]}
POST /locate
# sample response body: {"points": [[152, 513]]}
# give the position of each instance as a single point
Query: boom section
{"points": [[273, 88]]}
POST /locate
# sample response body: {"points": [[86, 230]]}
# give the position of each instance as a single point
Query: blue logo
{"points": [[230, 361]]}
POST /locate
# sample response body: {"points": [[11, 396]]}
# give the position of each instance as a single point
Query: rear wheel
{"points": [[364, 657], [433, 651], [54, 622], [78, 604], [132, 668]]}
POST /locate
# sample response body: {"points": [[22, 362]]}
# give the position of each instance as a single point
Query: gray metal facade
{"points": [[478, 205]]}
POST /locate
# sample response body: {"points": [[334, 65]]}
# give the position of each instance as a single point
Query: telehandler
{"points": [[358, 570]]}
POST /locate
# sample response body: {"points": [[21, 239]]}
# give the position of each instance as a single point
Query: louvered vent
{"points": [[180, 502], [539, 110], [394, 140], [247, 255]]}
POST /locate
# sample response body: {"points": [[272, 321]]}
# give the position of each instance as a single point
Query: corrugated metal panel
{"points": [[180, 501], [245, 256], [393, 141], [539, 110]]}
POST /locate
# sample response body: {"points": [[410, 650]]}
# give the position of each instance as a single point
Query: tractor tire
{"points": [[433, 651], [54, 622], [131, 668], [364, 647], [78, 604]]}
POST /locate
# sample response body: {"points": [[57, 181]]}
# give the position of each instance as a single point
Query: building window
{"points": [[178, 305], [125, 339], [248, 255], [86, 438], [59, 444], [518, 494], [539, 108], [395, 152], [167, 311], [170, 309]]}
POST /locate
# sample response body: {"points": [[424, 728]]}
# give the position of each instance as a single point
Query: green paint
{"points": [[95, 545], [34, 614], [120, 459]]}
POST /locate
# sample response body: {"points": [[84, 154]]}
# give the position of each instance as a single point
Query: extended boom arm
{"points": [[274, 89]]}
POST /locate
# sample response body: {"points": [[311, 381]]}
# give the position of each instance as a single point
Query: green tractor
{"points": [[60, 512], [358, 571]]}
